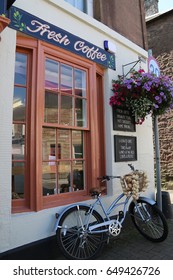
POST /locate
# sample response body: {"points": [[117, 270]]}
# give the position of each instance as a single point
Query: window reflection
{"points": [[51, 74], [18, 141], [67, 110], [78, 175], [80, 109], [18, 170], [77, 141], [79, 4], [64, 170], [66, 78], [20, 69], [80, 82], [19, 104], [49, 144], [49, 180], [64, 143], [51, 107]]}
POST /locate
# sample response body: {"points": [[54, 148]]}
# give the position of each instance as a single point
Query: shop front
{"points": [[55, 90]]}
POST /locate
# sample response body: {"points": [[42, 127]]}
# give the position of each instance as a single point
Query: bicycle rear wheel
{"points": [[149, 220], [73, 237]]}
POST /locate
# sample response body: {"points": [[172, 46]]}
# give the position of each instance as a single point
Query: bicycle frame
{"points": [[107, 221], [115, 204]]}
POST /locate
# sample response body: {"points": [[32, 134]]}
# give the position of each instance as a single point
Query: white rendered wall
{"points": [[7, 58], [19, 229]]}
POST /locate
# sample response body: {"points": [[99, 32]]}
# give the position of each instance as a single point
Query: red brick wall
{"points": [[160, 33], [127, 17]]}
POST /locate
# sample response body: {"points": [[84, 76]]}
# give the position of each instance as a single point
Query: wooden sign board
{"points": [[125, 148], [123, 120]]}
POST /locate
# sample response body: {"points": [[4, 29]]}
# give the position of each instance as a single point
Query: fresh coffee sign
{"points": [[38, 28]]}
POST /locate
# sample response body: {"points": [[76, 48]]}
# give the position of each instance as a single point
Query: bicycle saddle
{"points": [[95, 192]]}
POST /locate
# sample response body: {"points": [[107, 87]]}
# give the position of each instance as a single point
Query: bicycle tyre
{"points": [[73, 243], [154, 227]]}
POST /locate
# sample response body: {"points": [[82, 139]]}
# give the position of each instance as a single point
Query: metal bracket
{"points": [[140, 59]]}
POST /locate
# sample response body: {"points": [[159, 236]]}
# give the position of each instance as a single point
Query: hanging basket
{"points": [[144, 94], [4, 22], [134, 183]]}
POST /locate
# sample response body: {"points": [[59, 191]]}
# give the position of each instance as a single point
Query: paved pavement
{"points": [[131, 245]]}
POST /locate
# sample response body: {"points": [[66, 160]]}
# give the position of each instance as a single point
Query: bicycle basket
{"points": [[134, 183]]}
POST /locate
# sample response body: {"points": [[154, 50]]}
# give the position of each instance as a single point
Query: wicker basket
{"points": [[134, 183]]}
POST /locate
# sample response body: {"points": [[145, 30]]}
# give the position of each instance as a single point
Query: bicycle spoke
{"points": [[149, 221], [74, 238]]}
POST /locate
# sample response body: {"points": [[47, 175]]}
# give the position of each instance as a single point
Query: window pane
{"points": [[77, 142], [78, 175], [18, 141], [64, 170], [66, 79], [77, 3], [18, 180], [51, 74], [49, 180], [66, 110], [80, 82], [20, 69], [64, 143], [49, 144], [19, 104], [80, 110], [51, 108]]}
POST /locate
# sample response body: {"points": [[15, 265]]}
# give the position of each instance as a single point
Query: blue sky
{"points": [[165, 5]]}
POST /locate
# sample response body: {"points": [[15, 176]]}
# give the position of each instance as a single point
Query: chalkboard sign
{"points": [[123, 119], [125, 148]]}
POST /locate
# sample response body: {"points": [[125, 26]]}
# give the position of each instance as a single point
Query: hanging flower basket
{"points": [[4, 22], [143, 93]]}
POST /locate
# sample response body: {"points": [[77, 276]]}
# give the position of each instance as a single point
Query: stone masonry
{"points": [[151, 7], [160, 40]]}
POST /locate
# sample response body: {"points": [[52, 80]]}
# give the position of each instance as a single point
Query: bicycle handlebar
{"points": [[109, 177]]}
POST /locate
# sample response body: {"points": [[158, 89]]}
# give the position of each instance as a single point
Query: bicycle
{"points": [[82, 232]]}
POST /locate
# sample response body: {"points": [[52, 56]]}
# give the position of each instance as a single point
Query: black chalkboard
{"points": [[123, 119], [125, 148]]}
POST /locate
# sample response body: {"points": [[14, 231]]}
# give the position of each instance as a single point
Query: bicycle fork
{"points": [[144, 213]]}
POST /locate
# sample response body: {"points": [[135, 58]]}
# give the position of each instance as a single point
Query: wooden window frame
{"points": [[36, 201]]}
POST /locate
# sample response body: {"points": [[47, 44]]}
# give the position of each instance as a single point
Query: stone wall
{"points": [[160, 40], [151, 7], [166, 128]]}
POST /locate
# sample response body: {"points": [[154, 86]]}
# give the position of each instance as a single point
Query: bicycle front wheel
{"points": [[74, 239], [149, 220]]}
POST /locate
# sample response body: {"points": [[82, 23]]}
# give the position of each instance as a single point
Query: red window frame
{"points": [[93, 133]]}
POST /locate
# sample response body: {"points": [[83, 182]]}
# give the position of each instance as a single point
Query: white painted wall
{"points": [[7, 55], [20, 229]]}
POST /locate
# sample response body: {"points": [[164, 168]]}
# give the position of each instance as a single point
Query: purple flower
{"points": [[156, 106], [147, 87], [129, 86]]}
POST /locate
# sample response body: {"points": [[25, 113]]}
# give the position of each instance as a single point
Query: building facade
{"points": [[56, 130]]}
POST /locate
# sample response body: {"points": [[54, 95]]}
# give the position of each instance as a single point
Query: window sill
{"points": [[64, 199]]}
